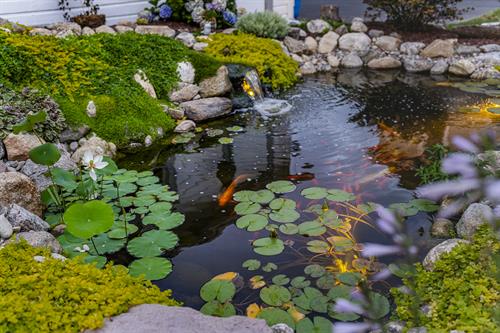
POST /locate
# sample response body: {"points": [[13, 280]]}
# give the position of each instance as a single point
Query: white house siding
{"points": [[282, 7], [41, 12]]}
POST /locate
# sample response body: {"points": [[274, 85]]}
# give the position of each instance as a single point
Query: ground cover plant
{"points": [[101, 68], [489, 17], [263, 24]]}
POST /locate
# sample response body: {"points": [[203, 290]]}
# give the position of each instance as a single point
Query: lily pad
{"points": [[424, 205], [280, 280], [106, 245], [379, 306], [341, 244], [152, 243], [282, 203], [252, 222], [274, 316], [89, 219], [269, 267], [300, 282], [257, 282], [213, 132], [340, 196], [317, 246], [319, 325], [285, 216], [122, 232], [235, 129], [226, 141], [164, 221], [247, 207], [217, 309], [251, 264], [311, 228], [281, 186], [152, 268], [314, 193], [160, 207], [217, 290], [268, 246], [404, 209], [315, 270], [275, 295], [289, 229], [327, 281], [349, 278], [320, 304], [242, 196], [305, 299], [262, 196], [340, 291]]}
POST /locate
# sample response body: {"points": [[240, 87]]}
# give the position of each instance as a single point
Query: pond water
{"points": [[361, 132]]}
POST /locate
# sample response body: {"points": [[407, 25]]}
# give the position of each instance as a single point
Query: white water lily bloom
{"points": [[92, 163]]}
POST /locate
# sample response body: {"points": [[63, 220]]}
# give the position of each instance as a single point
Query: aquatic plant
{"points": [[69, 295], [431, 170], [263, 24]]}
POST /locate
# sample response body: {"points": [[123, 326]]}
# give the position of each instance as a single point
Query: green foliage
{"points": [[462, 290], [89, 219], [265, 24], [431, 171], [68, 295], [489, 17], [47, 154], [273, 65]]}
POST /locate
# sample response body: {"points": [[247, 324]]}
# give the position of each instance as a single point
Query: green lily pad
{"points": [[98, 261], [341, 244], [235, 129], [274, 316], [343, 316], [404, 209], [217, 290], [212, 133], [284, 216], [317, 246], [262, 196], [106, 245], [268, 246], [168, 196], [349, 278], [269, 267], [160, 207], [165, 221], [280, 280], [315, 270], [311, 228], [275, 295], [46, 154], [242, 196], [314, 193], [300, 282], [379, 306], [305, 299], [152, 243], [327, 281], [340, 196], [320, 325], [217, 309], [247, 207], [252, 222], [89, 219], [226, 141], [340, 291], [281, 186], [424, 205], [289, 229], [282, 203], [148, 180], [320, 304], [251, 264], [152, 268], [122, 232]]}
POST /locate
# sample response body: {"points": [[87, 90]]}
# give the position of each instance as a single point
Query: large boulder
{"points": [[219, 85], [411, 48], [354, 41], [437, 251], [155, 318], [352, 60], [6, 229], [184, 92], [105, 29], [207, 108], [318, 26], [40, 239], [442, 228], [186, 72], [384, 63], [490, 48], [328, 42], [387, 43], [186, 38], [18, 146], [462, 67], [141, 78], [357, 25], [295, 45], [311, 44], [440, 48], [23, 220], [417, 65], [161, 30], [16, 188], [440, 67], [474, 217], [96, 146]]}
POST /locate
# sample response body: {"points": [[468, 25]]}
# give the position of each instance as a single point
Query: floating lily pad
{"points": [[275, 295], [340, 291], [226, 141], [152, 268], [122, 232], [285, 216], [281, 186], [168, 196], [247, 207], [152, 243], [311, 228], [106, 245], [212, 133], [424, 205], [217, 290], [349, 278], [379, 306], [305, 299], [340, 196], [317, 246], [341, 244], [165, 221], [146, 200], [89, 219], [315, 270], [280, 280], [282, 203], [148, 180], [269, 267], [320, 304], [343, 316], [300, 282], [242, 196], [268, 246], [257, 282], [314, 193], [252, 222], [289, 229], [274, 316], [262, 196], [319, 325], [183, 138], [327, 281], [217, 309], [160, 207], [251, 264], [404, 209], [235, 129]]}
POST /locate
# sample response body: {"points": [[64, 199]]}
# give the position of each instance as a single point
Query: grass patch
{"points": [[489, 17]]}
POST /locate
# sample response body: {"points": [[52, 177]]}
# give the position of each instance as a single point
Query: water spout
{"points": [[252, 85]]}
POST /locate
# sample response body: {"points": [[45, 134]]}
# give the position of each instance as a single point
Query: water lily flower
{"points": [[84, 248], [92, 164]]}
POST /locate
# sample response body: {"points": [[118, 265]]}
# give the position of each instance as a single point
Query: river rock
{"points": [[185, 126], [92, 109], [207, 108], [40, 239], [490, 161], [462, 67], [155, 318], [440, 67], [374, 33], [294, 45], [176, 113], [357, 25], [3, 152], [387, 43], [417, 65], [96, 146], [22, 219], [123, 28], [318, 26], [219, 85], [63, 27], [311, 44], [328, 42], [395, 327], [87, 31], [442, 228], [18, 146], [474, 217], [41, 32], [308, 68], [440, 48], [417, 330], [185, 92], [105, 29], [467, 49], [490, 48], [186, 38], [411, 48], [161, 30], [333, 61], [282, 328], [489, 59], [5, 228], [16, 188], [186, 72], [354, 41], [141, 78], [200, 46], [69, 134], [352, 60], [437, 251], [384, 63]]}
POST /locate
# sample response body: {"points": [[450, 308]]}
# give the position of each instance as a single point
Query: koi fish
{"points": [[301, 176], [374, 176], [227, 195]]}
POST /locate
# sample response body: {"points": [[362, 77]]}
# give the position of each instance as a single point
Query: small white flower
{"points": [[83, 249], [92, 163]]}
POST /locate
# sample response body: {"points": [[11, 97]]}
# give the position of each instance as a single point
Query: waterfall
{"points": [[252, 86]]}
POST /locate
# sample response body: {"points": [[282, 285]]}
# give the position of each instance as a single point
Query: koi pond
{"points": [[286, 200]]}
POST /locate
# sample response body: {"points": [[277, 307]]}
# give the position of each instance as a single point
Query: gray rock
{"points": [[311, 44], [200, 46], [148, 141], [207, 108], [440, 67], [176, 113], [351, 60], [354, 41], [342, 30], [23, 220], [18, 146], [384, 63], [96, 146], [73, 146], [462, 67], [141, 78], [442, 228], [185, 92], [73, 134], [308, 68], [358, 25], [3, 153], [395, 327], [417, 65], [186, 38], [63, 27], [39, 259], [65, 33], [294, 32], [489, 59], [16, 188], [328, 42], [123, 28], [387, 43], [41, 32], [294, 45], [3, 167], [161, 30], [185, 126], [417, 330], [333, 61], [91, 109], [219, 85], [5, 228], [154, 318], [490, 48], [374, 33], [105, 29], [40, 239], [281, 328], [58, 256], [411, 48], [58, 230], [186, 72], [474, 217], [87, 31], [440, 48], [318, 26], [467, 49], [437, 251]]}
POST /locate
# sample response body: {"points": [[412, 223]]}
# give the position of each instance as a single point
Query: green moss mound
{"points": [[101, 67], [273, 65], [65, 296], [462, 290]]}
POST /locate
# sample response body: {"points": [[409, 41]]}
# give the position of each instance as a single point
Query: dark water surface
{"points": [[361, 132]]}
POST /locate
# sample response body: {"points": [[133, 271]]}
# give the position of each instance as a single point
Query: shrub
{"points": [[462, 290], [65, 296], [415, 14], [431, 171], [273, 65], [263, 24]]}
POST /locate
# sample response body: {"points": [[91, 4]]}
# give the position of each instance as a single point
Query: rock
{"points": [[411, 48], [39, 258], [63, 27], [440, 48], [490, 48], [442, 228], [23, 220], [16, 188], [58, 230], [40, 32], [18, 146], [281, 328], [5, 228], [186, 38], [65, 33], [185, 126], [474, 216], [352, 61], [311, 44], [58, 256], [73, 134], [185, 92], [490, 161], [354, 41], [86, 31], [200, 46], [91, 109], [294, 32], [155, 318], [3, 167], [358, 25], [229, 31], [219, 85], [294, 45], [438, 250], [148, 141], [308, 68], [105, 29], [318, 26], [342, 30], [186, 72], [462, 67], [40, 239], [161, 30], [417, 65], [396, 35], [373, 33], [96, 146], [3, 152], [384, 63], [387, 43], [440, 67], [489, 59], [395, 327], [467, 49], [123, 29], [141, 78], [328, 42], [207, 108], [176, 113], [333, 61]]}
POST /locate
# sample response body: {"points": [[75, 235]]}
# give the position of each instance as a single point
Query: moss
{"points": [[65, 296], [274, 66], [462, 290]]}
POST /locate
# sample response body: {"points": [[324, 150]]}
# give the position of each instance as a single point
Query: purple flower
{"points": [[493, 191], [464, 144], [352, 327], [382, 275], [437, 191], [459, 163], [379, 250], [229, 17], [165, 12], [387, 222], [344, 306]]}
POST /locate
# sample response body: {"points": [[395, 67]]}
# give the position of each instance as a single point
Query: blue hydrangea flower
{"points": [[229, 17], [165, 12]]}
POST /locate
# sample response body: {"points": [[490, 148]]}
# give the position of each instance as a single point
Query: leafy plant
{"points": [[265, 24], [431, 171], [91, 8]]}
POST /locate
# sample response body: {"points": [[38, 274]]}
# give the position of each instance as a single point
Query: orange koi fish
{"points": [[301, 176], [227, 195]]}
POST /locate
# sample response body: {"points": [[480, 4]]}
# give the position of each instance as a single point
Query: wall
{"points": [[282, 7]]}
